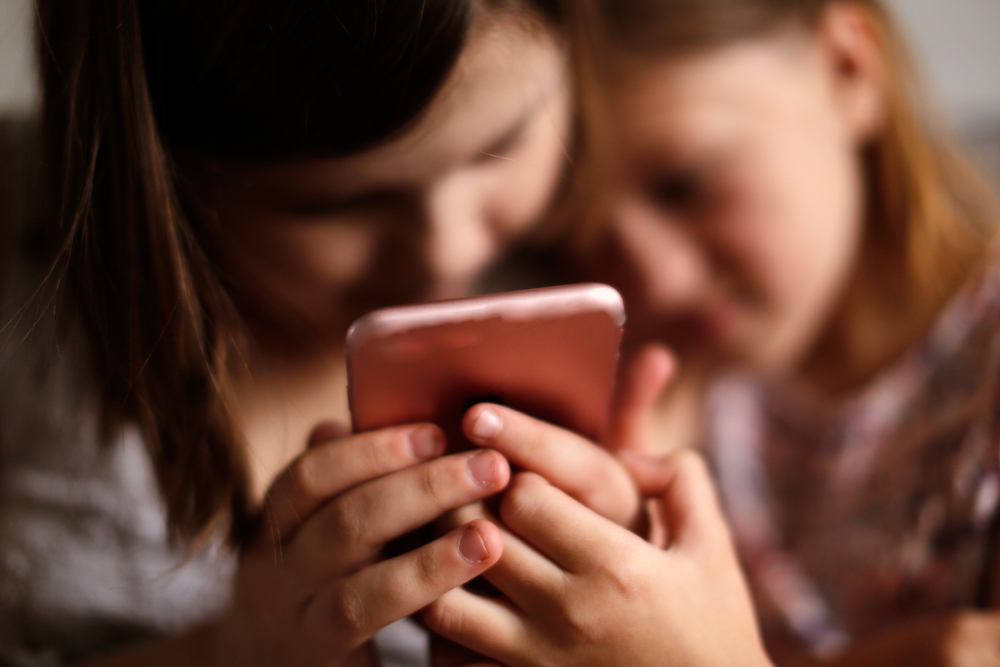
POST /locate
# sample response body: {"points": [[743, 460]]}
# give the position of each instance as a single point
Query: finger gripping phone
{"points": [[551, 353]]}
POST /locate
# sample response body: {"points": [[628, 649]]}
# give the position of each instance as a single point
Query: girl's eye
{"points": [[679, 190]]}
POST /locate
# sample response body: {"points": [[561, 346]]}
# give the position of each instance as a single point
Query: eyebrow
{"points": [[494, 149], [505, 141]]}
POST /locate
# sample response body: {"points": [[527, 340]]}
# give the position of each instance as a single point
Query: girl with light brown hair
{"points": [[774, 199], [788, 215]]}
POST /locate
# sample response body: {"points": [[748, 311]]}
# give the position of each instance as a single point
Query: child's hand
{"points": [[312, 589], [583, 469], [583, 591], [586, 471], [575, 465]]}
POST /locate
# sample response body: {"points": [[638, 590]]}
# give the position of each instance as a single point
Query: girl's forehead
{"points": [[500, 81], [506, 76], [743, 81], [740, 67], [504, 72]]}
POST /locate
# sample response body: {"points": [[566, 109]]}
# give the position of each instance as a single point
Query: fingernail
{"points": [[424, 442], [482, 469], [472, 547], [487, 424]]}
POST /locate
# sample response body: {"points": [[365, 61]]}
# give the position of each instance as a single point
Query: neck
{"points": [[280, 397]]}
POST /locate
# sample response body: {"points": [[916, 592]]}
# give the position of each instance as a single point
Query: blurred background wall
{"points": [[956, 41], [18, 92], [958, 44]]}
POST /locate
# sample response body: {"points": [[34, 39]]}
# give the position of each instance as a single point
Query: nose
{"points": [[666, 258], [460, 239]]}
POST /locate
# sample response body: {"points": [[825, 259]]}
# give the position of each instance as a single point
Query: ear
{"points": [[850, 36]]}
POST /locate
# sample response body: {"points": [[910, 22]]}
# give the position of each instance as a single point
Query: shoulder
{"points": [[85, 557], [86, 560]]}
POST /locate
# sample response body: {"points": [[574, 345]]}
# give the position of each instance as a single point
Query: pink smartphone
{"points": [[551, 353]]}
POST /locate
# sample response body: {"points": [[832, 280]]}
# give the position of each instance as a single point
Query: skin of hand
{"points": [[589, 472], [312, 588], [580, 590], [586, 471], [963, 638]]}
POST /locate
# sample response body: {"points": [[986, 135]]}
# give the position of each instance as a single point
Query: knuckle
{"points": [[433, 482], [586, 624], [520, 502], [621, 584], [444, 618], [385, 450], [608, 490], [426, 569], [304, 476], [350, 615], [611, 561], [623, 577], [344, 520], [531, 481]]}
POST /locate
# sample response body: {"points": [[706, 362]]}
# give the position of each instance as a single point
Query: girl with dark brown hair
{"points": [[226, 186], [229, 184]]}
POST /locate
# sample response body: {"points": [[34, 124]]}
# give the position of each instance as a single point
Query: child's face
{"points": [[737, 210], [314, 243]]}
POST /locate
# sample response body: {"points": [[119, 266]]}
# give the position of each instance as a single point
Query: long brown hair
{"points": [[130, 83], [931, 217]]}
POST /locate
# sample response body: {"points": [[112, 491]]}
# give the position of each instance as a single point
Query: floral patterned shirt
{"points": [[880, 509]]}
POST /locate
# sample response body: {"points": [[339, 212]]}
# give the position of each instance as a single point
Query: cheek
{"points": [[525, 186], [300, 265], [318, 256], [800, 232]]}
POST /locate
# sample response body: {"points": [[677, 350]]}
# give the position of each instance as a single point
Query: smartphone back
{"points": [[551, 353]]}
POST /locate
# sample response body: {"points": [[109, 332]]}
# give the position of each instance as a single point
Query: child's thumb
{"points": [[640, 386], [688, 502]]}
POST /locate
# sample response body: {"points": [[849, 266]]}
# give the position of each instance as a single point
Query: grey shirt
{"points": [[85, 563]]}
